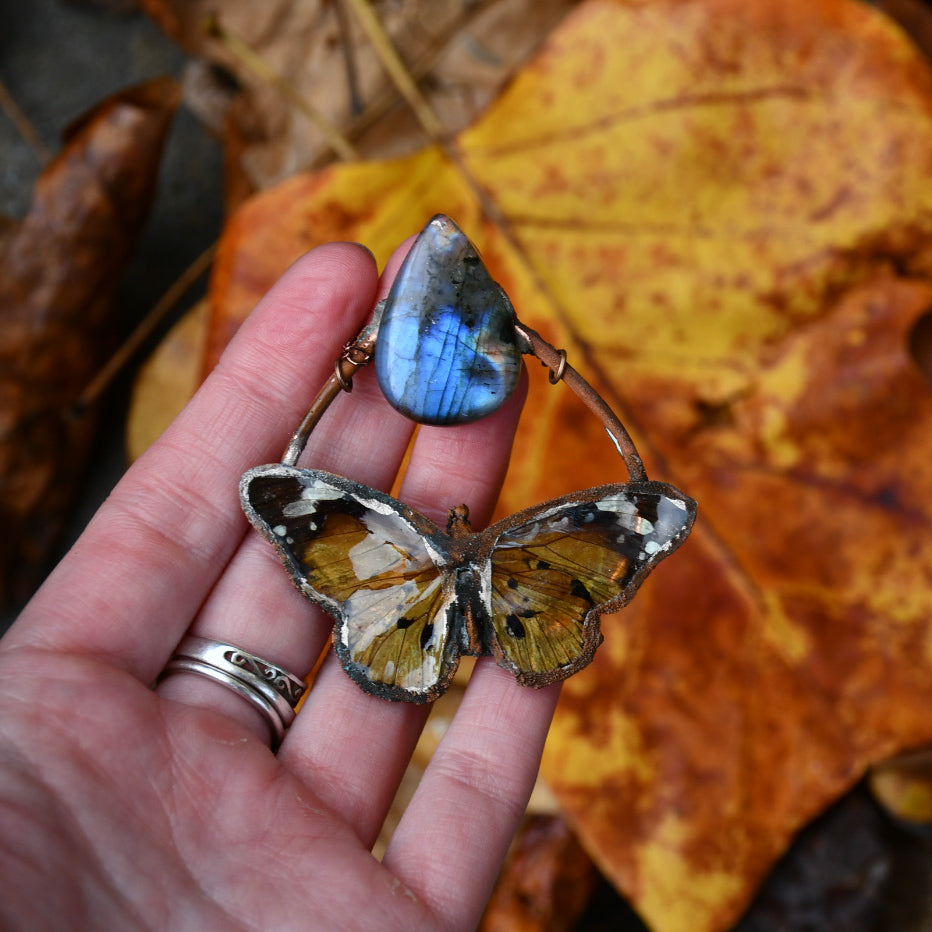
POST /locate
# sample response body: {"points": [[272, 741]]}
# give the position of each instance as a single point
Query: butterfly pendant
{"points": [[410, 598]]}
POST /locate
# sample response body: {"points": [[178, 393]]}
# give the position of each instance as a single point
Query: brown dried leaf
{"points": [[59, 271], [546, 882], [472, 49]]}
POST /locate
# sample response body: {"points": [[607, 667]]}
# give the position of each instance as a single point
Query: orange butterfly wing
{"points": [[555, 569], [371, 563]]}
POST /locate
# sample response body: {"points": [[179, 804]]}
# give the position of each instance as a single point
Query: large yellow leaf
{"points": [[723, 210]]}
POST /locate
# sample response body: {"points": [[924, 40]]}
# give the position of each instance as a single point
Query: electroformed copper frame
{"points": [[358, 352]]}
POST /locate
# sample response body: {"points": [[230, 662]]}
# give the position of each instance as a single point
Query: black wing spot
{"points": [[514, 626], [513, 583], [427, 634], [542, 565], [578, 590], [584, 514], [346, 504], [405, 623]]}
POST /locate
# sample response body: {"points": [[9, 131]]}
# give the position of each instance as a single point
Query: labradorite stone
{"points": [[447, 351]]}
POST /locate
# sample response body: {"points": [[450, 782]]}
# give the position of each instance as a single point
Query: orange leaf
{"points": [[723, 211]]}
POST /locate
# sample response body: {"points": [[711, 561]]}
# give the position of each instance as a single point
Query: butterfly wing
{"points": [[373, 564], [555, 569]]}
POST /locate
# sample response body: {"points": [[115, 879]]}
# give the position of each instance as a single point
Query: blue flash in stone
{"points": [[447, 351]]}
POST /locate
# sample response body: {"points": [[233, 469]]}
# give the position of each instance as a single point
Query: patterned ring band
{"points": [[273, 691]]}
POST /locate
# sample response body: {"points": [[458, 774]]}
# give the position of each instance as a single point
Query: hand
{"points": [[126, 807]]}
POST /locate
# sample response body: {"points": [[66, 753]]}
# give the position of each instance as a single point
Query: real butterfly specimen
{"points": [[408, 597]]}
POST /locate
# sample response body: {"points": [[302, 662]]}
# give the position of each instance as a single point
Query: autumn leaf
{"points": [[723, 210], [903, 785], [166, 380], [59, 270], [464, 53], [546, 883]]}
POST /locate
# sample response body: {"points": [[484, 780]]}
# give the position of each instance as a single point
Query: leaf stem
{"points": [[396, 68], [105, 376]]}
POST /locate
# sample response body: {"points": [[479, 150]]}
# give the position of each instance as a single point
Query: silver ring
{"points": [[273, 691]]}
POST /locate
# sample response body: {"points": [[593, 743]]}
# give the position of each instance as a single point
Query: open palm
{"points": [[124, 806]]}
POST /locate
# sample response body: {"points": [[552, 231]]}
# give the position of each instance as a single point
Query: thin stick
{"points": [[396, 68], [387, 97], [144, 330], [23, 124], [262, 69], [408, 88], [357, 105]]}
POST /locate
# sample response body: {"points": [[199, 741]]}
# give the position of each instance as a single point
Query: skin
{"points": [[132, 808]]}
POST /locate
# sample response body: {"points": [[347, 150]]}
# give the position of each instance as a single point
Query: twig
{"points": [[98, 385], [408, 88], [431, 124], [387, 97], [396, 69], [23, 125], [262, 69], [357, 105]]}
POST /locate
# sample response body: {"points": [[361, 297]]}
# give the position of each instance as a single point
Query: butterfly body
{"points": [[410, 598]]}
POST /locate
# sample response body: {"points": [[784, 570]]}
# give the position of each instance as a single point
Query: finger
{"points": [[132, 583], [451, 841], [254, 606], [353, 746]]}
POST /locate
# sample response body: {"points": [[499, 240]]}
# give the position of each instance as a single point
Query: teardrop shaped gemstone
{"points": [[447, 351]]}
